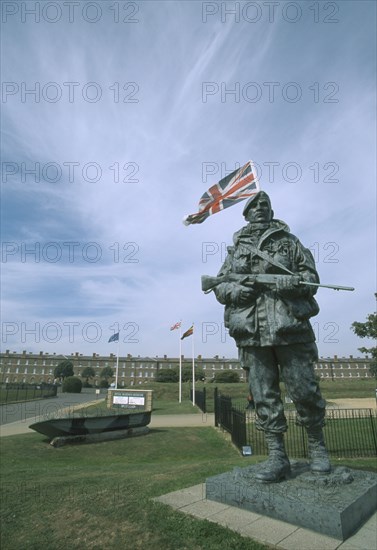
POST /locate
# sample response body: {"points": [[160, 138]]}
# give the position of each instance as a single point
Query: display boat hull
{"points": [[91, 424]]}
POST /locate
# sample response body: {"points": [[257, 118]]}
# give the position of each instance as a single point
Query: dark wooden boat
{"points": [[91, 424]]}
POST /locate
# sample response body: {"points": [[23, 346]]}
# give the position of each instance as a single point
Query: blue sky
{"points": [[138, 107]]}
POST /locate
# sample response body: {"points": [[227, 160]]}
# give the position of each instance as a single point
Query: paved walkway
{"points": [[278, 534]]}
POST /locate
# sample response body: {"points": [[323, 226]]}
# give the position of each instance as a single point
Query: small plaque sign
{"points": [[246, 450], [130, 399]]}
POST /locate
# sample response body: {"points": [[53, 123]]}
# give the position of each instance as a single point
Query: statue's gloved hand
{"points": [[288, 285], [242, 295], [234, 294]]}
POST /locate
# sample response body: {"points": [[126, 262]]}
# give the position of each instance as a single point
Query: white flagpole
{"points": [[180, 363], [193, 368], [117, 366]]}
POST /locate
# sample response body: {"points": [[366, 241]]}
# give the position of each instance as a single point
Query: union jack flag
{"points": [[237, 186], [177, 325]]}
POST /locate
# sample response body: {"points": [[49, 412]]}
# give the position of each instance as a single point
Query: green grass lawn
{"points": [[348, 389], [331, 389], [98, 496]]}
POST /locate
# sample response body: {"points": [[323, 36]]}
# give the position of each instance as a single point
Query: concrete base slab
{"points": [[336, 504], [279, 534]]}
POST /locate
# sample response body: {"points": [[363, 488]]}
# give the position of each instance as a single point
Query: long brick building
{"points": [[32, 368]]}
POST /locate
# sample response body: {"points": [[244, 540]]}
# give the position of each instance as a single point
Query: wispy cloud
{"points": [[130, 171]]}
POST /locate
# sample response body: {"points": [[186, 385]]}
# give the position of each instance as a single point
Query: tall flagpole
{"points": [[117, 366], [180, 363], [193, 368]]}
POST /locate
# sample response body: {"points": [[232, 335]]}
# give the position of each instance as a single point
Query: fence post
{"points": [[216, 406], [373, 431], [305, 450]]}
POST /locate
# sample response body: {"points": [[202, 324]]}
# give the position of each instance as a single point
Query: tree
{"points": [[106, 373], [64, 369], [72, 384], [187, 374], [227, 376], [368, 330], [87, 373]]}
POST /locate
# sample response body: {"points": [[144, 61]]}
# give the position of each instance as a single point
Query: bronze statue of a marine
{"points": [[267, 284]]}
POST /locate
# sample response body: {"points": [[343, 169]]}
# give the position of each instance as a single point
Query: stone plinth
{"points": [[336, 504]]}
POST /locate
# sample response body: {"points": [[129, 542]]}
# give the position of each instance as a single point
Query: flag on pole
{"points": [[237, 186], [176, 326], [188, 332], [114, 337]]}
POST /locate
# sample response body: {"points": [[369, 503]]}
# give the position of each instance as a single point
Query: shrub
{"points": [[227, 376], [103, 383], [167, 375], [72, 384]]}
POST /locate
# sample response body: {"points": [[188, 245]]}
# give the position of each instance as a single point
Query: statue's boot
{"points": [[319, 458], [277, 466]]}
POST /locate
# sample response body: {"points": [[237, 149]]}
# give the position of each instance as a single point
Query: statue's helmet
{"points": [[259, 195]]}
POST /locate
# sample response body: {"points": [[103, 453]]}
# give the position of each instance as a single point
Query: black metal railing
{"points": [[348, 432], [11, 393], [200, 399]]}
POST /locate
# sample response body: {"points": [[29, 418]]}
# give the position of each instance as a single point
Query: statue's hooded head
{"points": [[258, 209]]}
